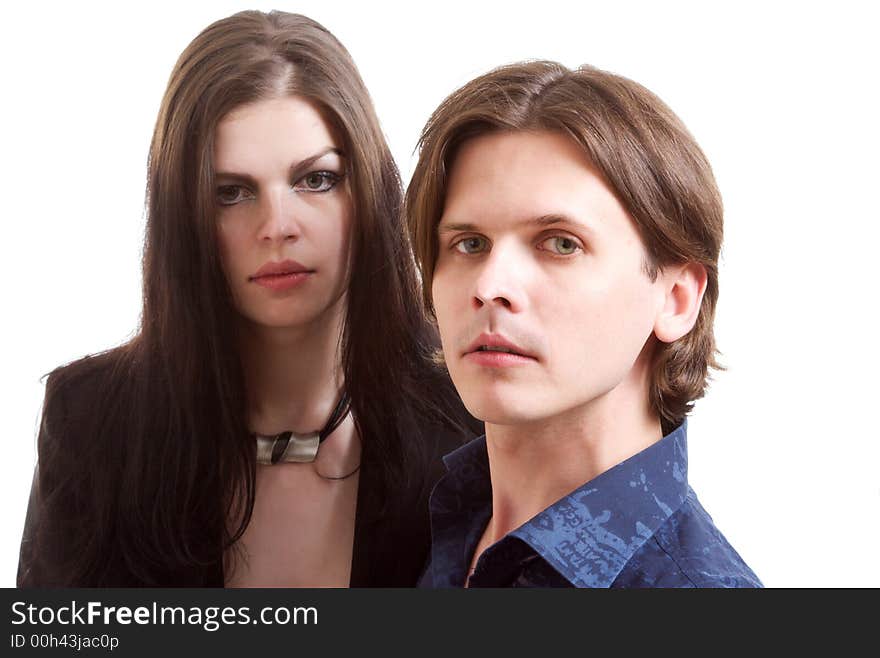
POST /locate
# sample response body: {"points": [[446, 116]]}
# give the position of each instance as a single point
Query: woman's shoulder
{"points": [[87, 373], [75, 392], [68, 455]]}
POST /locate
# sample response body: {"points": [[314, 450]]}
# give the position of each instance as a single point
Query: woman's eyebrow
{"points": [[303, 165], [295, 169]]}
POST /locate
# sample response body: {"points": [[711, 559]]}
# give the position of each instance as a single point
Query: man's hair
{"points": [[647, 157]]}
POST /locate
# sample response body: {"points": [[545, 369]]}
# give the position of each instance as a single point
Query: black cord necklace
{"points": [[291, 447]]}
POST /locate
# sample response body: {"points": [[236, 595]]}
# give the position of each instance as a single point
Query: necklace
{"points": [[289, 446]]}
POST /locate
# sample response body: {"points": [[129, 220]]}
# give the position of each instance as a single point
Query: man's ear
{"points": [[684, 287]]}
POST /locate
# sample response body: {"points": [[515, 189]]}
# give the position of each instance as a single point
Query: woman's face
{"points": [[283, 211]]}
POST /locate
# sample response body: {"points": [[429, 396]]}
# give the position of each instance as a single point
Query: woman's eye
{"points": [[229, 195], [318, 181], [560, 244], [472, 245]]}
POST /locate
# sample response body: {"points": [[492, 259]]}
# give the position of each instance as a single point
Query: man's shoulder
{"points": [[688, 550]]}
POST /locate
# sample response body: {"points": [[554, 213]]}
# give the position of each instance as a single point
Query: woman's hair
{"points": [[648, 158], [168, 468]]}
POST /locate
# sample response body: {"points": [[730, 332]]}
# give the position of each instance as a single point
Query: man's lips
{"points": [[489, 345]]}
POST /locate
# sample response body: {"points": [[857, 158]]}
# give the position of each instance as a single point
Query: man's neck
{"points": [[533, 465]]}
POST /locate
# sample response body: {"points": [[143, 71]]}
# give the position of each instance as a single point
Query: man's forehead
{"points": [[525, 179]]}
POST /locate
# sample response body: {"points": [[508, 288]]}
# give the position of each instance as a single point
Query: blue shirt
{"points": [[637, 524]]}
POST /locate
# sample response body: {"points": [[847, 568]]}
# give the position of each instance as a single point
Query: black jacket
{"points": [[390, 550]]}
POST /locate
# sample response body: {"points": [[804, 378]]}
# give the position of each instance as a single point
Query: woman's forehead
{"points": [[288, 129]]}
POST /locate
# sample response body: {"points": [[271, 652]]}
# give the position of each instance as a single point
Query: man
{"points": [[568, 229]]}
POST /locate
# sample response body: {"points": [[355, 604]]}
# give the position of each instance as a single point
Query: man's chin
{"points": [[502, 412]]}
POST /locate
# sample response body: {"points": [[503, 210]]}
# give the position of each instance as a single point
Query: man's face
{"points": [[536, 255]]}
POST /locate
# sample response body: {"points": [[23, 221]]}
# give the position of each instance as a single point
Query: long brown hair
{"points": [[648, 158], [168, 462]]}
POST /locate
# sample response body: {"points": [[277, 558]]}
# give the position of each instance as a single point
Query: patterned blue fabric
{"points": [[637, 524]]}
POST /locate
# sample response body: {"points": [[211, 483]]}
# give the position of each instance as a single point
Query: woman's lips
{"points": [[281, 275], [280, 282]]}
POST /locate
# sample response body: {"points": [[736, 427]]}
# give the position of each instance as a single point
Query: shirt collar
{"points": [[590, 534], [472, 453]]}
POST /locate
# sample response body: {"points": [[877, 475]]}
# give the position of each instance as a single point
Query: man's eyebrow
{"points": [[552, 219], [296, 169], [451, 227], [558, 218]]}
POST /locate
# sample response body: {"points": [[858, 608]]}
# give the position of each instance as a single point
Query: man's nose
{"points": [[498, 282]]}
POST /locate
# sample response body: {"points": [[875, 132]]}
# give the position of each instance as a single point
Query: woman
{"points": [[281, 323]]}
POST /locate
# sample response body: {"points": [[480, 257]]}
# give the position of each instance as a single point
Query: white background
{"points": [[781, 96]]}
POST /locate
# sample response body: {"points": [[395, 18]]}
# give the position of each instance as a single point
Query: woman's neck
{"points": [[293, 375]]}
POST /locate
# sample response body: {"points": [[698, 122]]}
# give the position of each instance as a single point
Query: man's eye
{"points": [[472, 245], [317, 181], [229, 195], [560, 244]]}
